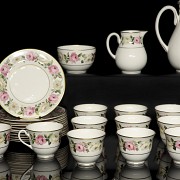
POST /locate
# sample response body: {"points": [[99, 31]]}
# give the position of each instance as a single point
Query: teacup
{"points": [[76, 59], [44, 138], [86, 145], [123, 109], [173, 143], [91, 109], [135, 144], [95, 122], [132, 121], [5, 131], [167, 110], [165, 122]]}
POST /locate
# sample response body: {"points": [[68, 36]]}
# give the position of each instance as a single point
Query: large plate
{"points": [[32, 83]]}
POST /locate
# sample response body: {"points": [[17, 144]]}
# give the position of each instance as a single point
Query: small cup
{"points": [[5, 131], [44, 138], [173, 143], [76, 59], [167, 110], [90, 110], [94, 122], [165, 122], [86, 145], [135, 144], [132, 121], [123, 109]]}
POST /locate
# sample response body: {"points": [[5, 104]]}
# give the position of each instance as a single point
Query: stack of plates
{"points": [[59, 114]]}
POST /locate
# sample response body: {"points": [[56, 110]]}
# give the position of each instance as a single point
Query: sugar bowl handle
{"points": [[108, 40], [19, 136]]}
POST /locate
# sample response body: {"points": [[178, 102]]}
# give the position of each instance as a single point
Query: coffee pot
{"points": [[173, 47], [130, 56]]}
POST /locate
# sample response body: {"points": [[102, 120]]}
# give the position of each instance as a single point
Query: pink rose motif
{"points": [[53, 98], [41, 177], [137, 40], [4, 96], [177, 144], [29, 111], [40, 140], [130, 146], [74, 57], [80, 147], [4, 69], [53, 69], [8, 137], [31, 56]]}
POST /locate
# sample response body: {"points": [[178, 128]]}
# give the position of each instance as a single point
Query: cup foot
{"points": [[131, 72], [76, 72], [135, 164], [86, 164], [44, 157], [177, 163]]}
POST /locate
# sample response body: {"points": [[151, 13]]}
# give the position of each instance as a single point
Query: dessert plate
{"points": [[32, 83]]}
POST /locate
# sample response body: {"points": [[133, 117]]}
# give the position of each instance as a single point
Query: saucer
{"points": [[32, 83]]}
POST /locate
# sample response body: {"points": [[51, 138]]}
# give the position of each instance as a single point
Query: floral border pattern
{"points": [[76, 58], [4, 138], [11, 105], [132, 40]]}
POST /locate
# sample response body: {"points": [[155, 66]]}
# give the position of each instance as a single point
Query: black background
{"points": [[47, 25]]}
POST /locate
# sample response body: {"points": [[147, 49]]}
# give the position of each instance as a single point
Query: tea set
{"points": [[33, 84]]}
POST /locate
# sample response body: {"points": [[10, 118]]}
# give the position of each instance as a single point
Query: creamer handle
{"points": [[176, 20], [107, 43]]}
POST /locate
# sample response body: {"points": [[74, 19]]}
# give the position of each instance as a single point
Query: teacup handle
{"points": [[107, 43], [19, 136]]}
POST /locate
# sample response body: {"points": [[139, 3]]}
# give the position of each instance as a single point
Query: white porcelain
{"points": [[171, 49], [130, 56], [82, 173], [86, 145], [173, 143], [5, 133], [76, 59], [167, 110], [165, 122], [130, 120], [135, 144], [90, 109], [32, 83], [95, 122], [130, 173], [43, 169], [44, 138], [122, 109]]}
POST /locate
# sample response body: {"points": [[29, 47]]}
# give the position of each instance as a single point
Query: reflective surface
{"points": [[19, 163]]}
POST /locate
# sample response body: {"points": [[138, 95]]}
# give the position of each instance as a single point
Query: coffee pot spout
{"points": [[142, 33]]}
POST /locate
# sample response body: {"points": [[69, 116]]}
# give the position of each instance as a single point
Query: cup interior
{"points": [[171, 120], [88, 120], [135, 132], [173, 131], [44, 126], [85, 133], [133, 119], [4, 127], [130, 107], [90, 107], [76, 47], [168, 107]]}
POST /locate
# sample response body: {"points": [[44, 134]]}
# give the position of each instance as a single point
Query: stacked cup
{"points": [[134, 135]]}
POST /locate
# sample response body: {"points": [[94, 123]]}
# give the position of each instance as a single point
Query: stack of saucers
{"points": [[59, 114]]}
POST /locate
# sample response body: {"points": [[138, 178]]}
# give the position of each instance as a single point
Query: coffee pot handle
{"points": [[107, 43], [176, 20]]}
